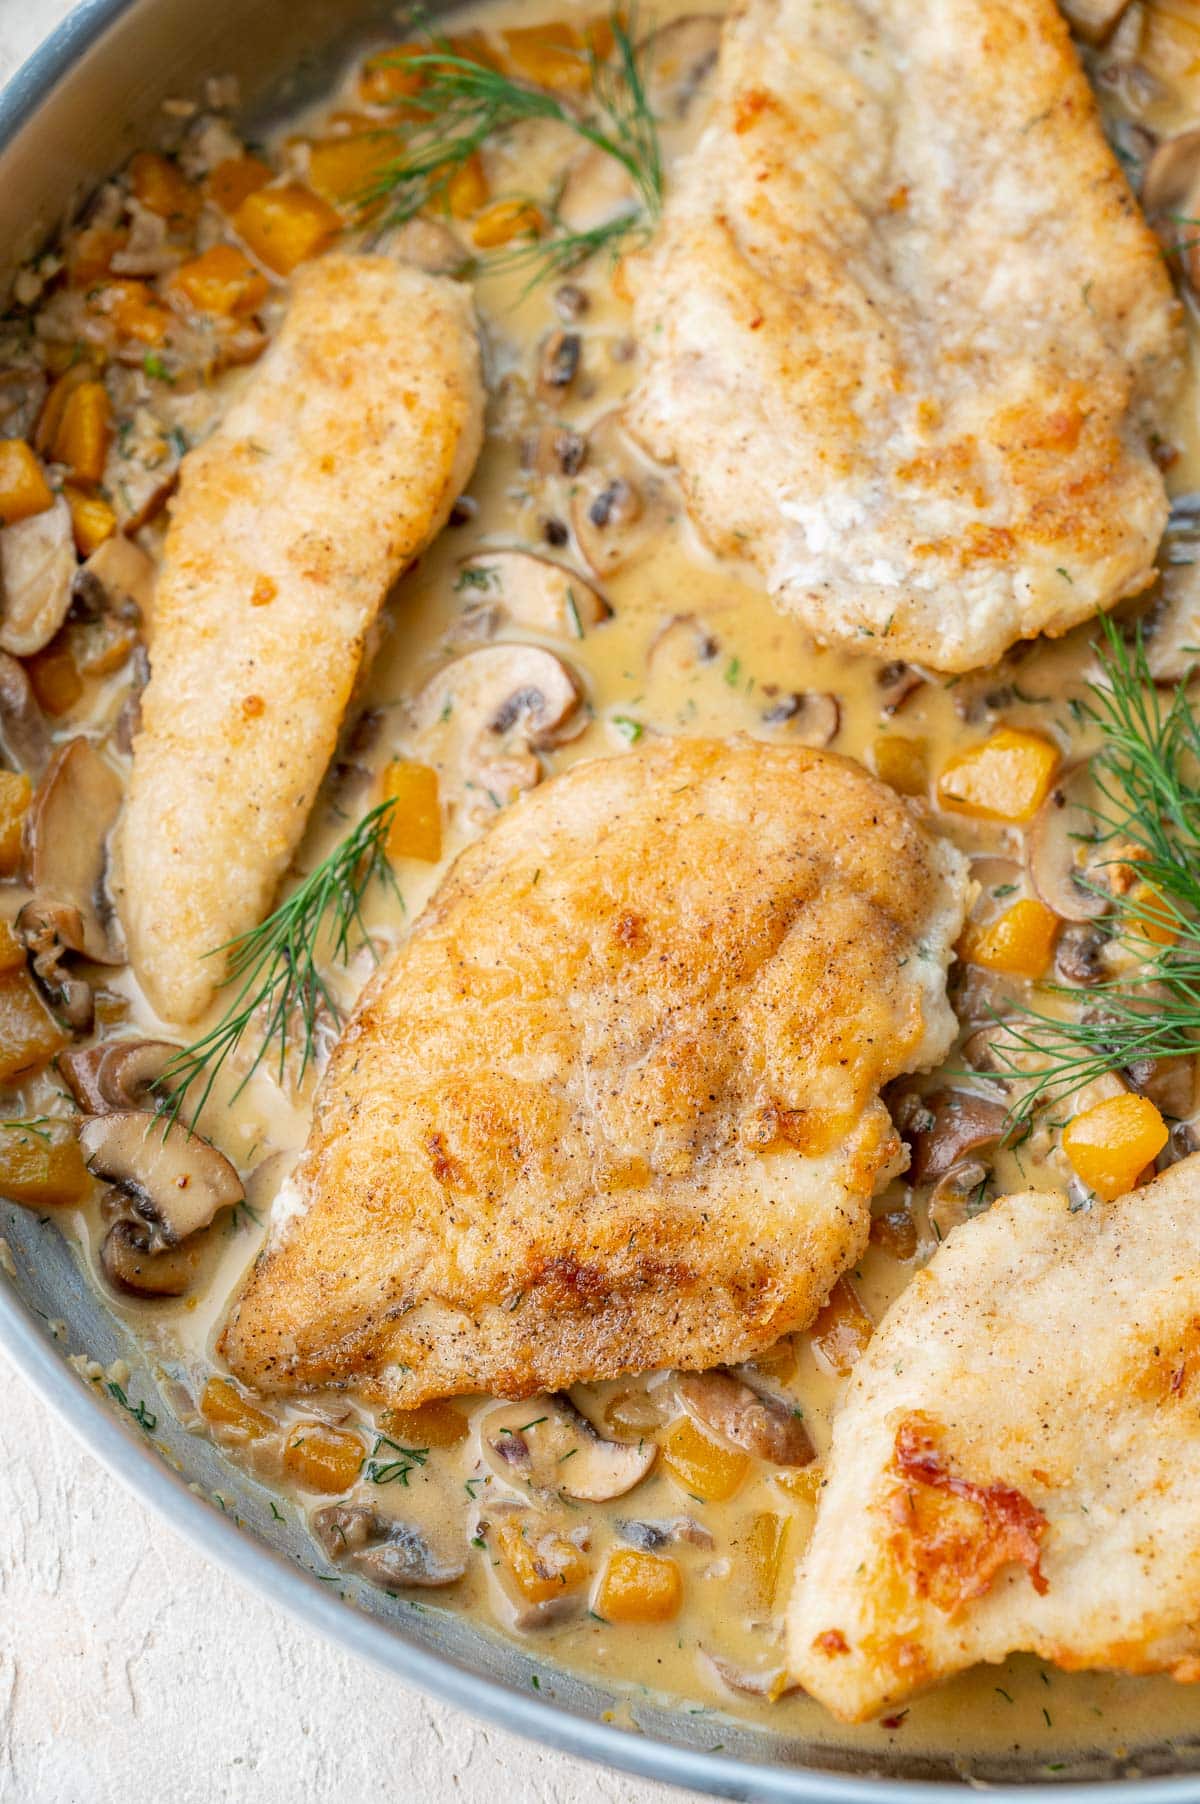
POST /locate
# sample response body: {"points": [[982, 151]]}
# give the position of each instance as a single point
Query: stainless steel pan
{"points": [[89, 95]]}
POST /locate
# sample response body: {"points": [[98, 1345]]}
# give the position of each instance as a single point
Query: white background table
{"points": [[133, 1672]]}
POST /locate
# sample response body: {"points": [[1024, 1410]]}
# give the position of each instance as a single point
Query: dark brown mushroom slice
{"points": [[390, 1553], [621, 506], [548, 1444], [812, 718], [37, 564], [961, 1123], [24, 735], [1060, 833], [66, 835], [175, 1180], [115, 1074], [131, 1265], [764, 1426], [536, 591]]}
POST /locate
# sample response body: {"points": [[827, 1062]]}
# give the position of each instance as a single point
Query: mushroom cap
{"points": [[549, 1445], [131, 1265], [537, 592]]}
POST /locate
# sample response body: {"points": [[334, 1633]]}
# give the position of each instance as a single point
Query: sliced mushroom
{"points": [[24, 735], [771, 1683], [813, 719], [621, 507], [49, 932], [763, 1426], [959, 1195], [1079, 954], [1173, 172], [1060, 834], [960, 1122], [37, 563], [391, 1554], [117, 578], [130, 1264], [1172, 628], [597, 188], [116, 1074], [652, 1537], [428, 244], [536, 592], [1169, 1083], [175, 1180], [1094, 20], [895, 683], [680, 645], [66, 831], [549, 1445], [679, 58]]}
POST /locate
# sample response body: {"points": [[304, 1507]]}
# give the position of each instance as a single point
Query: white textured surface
{"points": [[131, 1670]]}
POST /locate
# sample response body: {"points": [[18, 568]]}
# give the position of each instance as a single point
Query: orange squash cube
{"points": [[1007, 778], [224, 1406], [415, 824], [505, 220], [29, 1034], [135, 310], [90, 254], [54, 677], [705, 1468], [467, 188], [843, 1328], [15, 793], [540, 1562], [41, 1164], [803, 1483], [638, 1587], [221, 280], [1019, 942], [161, 186], [24, 490], [900, 763], [283, 226], [387, 78], [1111, 1144], [1149, 916], [234, 180], [82, 439], [555, 55], [762, 1549], [346, 171], [12, 952], [321, 1458], [92, 519], [428, 1425]]}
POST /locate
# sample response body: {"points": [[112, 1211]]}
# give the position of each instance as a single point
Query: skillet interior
{"points": [[90, 96]]}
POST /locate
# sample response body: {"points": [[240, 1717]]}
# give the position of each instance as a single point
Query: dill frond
{"points": [[1147, 772], [276, 968]]}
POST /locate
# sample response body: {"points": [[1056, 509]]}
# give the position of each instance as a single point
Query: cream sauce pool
{"points": [[692, 646]]}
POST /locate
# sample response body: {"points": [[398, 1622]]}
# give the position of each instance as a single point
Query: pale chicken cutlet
{"points": [[1010, 1468], [331, 473], [907, 336], [614, 1105]]}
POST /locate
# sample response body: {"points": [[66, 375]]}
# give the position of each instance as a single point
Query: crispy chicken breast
{"points": [[1013, 1466], [614, 1105], [334, 469], [905, 332]]}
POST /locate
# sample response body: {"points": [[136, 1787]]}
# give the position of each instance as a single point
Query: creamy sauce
{"points": [[693, 646]]}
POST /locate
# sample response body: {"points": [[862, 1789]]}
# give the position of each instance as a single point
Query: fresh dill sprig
{"points": [[34, 1124], [385, 1471], [463, 102], [1147, 773], [277, 967]]}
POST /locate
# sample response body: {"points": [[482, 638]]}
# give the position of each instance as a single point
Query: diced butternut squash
{"points": [[1111, 1144], [540, 1562], [54, 677], [803, 1483], [1007, 778], [24, 490], [1020, 941], [778, 1361], [900, 763], [705, 1468], [92, 519], [135, 310], [161, 186], [415, 826], [12, 951], [234, 180], [15, 793], [762, 1552], [346, 171], [843, 1328], [283, 226], [29, 1034], [555, 55], [505, 220], [221, 280], [1149, 916], [90, 254], [41, 1164], [322, 1458], [98, 647], [638, 1587], [224, 1406], [467, 189], [428, 1425], [82, 439], [387, 76]]}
